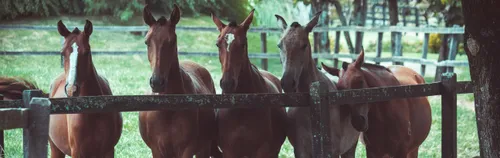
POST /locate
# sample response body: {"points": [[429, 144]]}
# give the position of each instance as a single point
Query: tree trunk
{"points": [[321, 40], [359, 12], [393, 20], [482, 45], [343, 20]]}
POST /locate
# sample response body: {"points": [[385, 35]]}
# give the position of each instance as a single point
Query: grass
{"points": [[128, 75]]}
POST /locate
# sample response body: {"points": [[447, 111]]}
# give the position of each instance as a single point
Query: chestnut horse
{"points": [[176, 133], [299, 73], [81, 135], [396, 127], [252, 133], [12, 87]]}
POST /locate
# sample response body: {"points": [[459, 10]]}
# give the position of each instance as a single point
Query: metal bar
{"points": [[442, 30], [453, 50], [449, 115], [398, 48], [263, 49], [425, 49]]}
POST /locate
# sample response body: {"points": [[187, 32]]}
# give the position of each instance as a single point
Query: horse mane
{"points": [[13, 87]]}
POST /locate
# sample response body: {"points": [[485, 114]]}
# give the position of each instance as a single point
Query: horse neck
{"points": [[309, 75], [250, 73], [178, 81], [90, 85]]}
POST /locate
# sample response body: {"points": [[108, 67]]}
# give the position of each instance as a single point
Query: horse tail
{"points": [[13, 87]]}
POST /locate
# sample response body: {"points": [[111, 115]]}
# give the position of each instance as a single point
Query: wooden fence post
{"points": [[35, 136], [398, 50], [453, 47], [425, 49], [320, 121], [449, 115], [263, 48], [2, 144], [379, 45], [337, 48]]}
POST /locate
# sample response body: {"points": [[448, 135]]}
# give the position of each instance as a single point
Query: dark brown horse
{"points": [[396, 127], [299, 73], [12, 87], [176, 133], [81, 135], [252, 133]]}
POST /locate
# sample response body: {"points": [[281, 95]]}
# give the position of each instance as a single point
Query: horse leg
{"points": [[351, 152], [54, 151]]}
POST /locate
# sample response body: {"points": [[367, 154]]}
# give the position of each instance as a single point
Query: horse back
{"points": [[201, 78], [273, 83]]}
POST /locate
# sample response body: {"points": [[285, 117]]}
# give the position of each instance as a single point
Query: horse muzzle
{"points": [[157, 84], [228, 85], [359, 122], [72, 90], [289, 85]]}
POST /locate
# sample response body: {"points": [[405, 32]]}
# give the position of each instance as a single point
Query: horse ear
{"points": [[218, 23], [248, 21], [88, 28], [361, 58], [313, 22], [281, 22], [63, 31], [175, 16], [331, 70], [345, 65], [148, 17]]}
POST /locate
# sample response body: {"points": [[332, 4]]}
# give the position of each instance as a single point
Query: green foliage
{"points": [[13, 9], [434, 42], [124, 9], [266, 9]]}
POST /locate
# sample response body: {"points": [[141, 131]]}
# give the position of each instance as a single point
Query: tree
{"points": [[451, 12], [482, 45]]}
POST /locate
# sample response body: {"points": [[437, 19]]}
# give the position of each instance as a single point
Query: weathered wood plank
{"points": [[452, 51], [11, 103], [320, 121], [263, 49], [398, 50], [11, 118], [370, 95], [449, 115], [159, 102], [36, 138], [464, 87]]}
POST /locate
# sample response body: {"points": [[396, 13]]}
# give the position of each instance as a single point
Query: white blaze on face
{"points": [[73, 60], [229, 39]]}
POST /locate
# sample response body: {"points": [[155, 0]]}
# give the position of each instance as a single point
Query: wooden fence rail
{"points": [[36, 132], [397, 55]]}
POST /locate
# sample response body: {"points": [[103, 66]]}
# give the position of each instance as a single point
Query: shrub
{"points": [[434, 42]]}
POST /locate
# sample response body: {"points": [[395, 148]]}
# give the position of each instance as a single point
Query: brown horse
{"points": [[12, 87], [81, 135], [396, 127], [176, 133], [299, 73], [252, 133]]}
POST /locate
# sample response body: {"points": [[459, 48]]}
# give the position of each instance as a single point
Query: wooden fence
{"points": [[397, 56], [32, 113]]}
